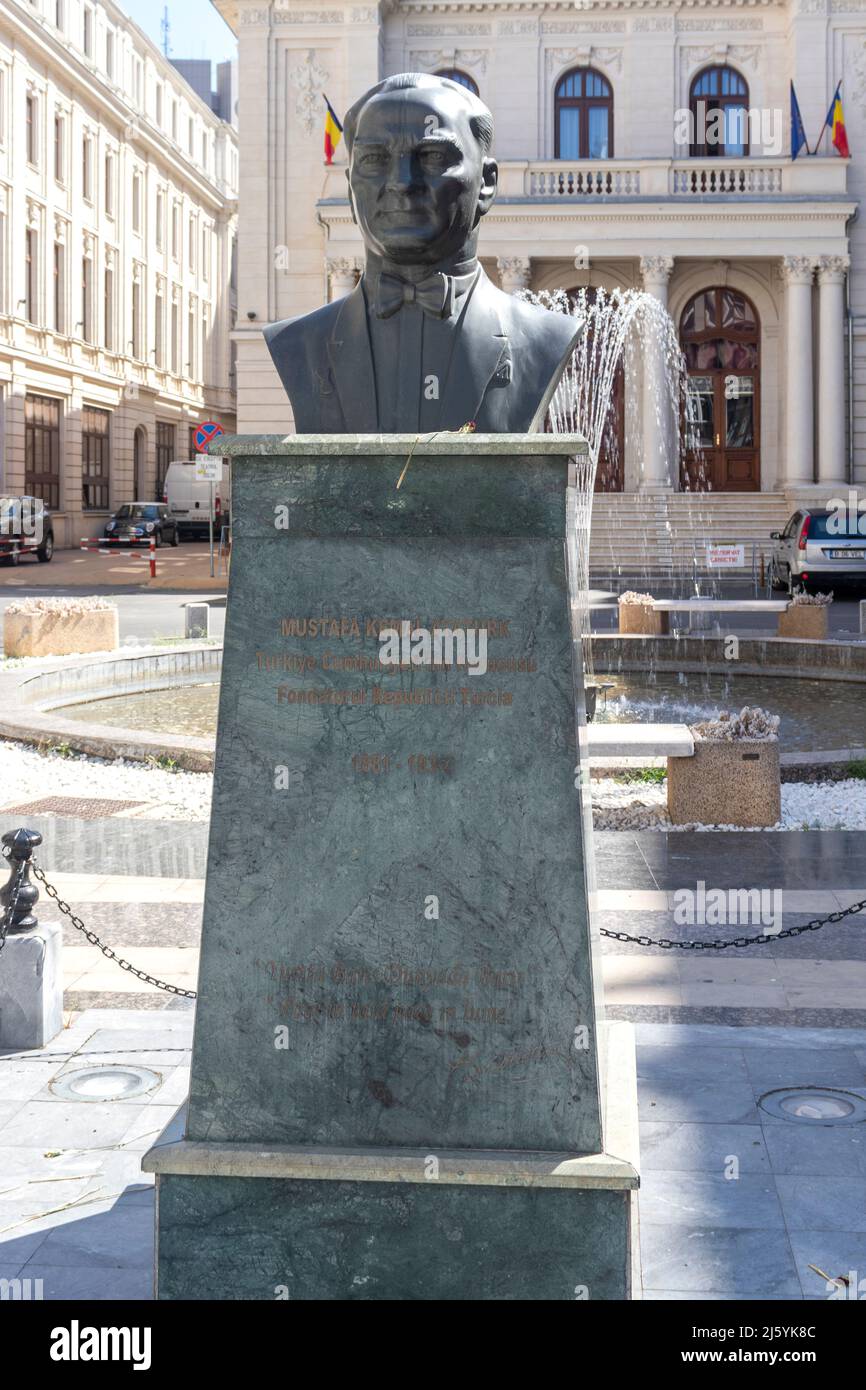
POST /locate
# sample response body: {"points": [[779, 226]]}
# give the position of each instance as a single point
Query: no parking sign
{"points": [[205, 433]]}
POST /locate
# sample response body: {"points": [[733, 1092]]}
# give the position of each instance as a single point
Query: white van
{"points": [[188, 500]]}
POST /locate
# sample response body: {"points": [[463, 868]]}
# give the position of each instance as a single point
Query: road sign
{"points": [[205, 433], [208, 470], [726, 557]]}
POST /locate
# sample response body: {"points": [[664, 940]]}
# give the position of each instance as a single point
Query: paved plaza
{"points": [[715, 1033]]}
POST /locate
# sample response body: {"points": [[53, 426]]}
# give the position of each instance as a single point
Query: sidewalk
{"points": [[734, 1203], [75, 1209]]}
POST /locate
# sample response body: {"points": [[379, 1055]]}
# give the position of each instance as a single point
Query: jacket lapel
{"points": [[481, 343], [351, 360]]}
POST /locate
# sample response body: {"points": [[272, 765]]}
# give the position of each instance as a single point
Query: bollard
{"points": [[863, 617], [31, 976], [197, 619]]}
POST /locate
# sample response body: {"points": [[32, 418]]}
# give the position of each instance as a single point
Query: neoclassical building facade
{"points": [[118, 203], [612, 174]]}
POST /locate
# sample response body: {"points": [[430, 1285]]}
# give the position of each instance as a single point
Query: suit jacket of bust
{"points": [[506, 363]]}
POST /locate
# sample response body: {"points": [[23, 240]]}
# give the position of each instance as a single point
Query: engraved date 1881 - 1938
{"points": [[382, 763]]}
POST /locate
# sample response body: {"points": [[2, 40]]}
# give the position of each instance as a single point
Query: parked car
{"points": [[137, 523], [26, 528], [188, 500], [818, 549]]}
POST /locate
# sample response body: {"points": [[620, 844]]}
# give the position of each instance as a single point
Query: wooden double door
{"points": [[720, 336]]}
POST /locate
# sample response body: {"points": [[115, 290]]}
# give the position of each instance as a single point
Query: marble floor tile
{"points": [[816, 1151], [725, 1100], [69, 1124], [698, 1259], [121, 1237], [8, 1109], [672, 1296], [147, 1127], [710, 1200], [720, 994], [689, 1062], [803, 1066], [93, 1283], [746, 971], [20, 1080], [673, 1146], [833, 1204], [835, 1253]]}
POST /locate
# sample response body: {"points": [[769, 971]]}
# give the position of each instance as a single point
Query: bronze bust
{"points": [[425, 341]]}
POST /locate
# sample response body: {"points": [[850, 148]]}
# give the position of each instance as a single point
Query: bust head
{"points": [[420, 172]]}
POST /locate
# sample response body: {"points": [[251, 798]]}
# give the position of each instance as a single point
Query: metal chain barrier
{"points": [[740, 941], [106, 950], [664, 943]]}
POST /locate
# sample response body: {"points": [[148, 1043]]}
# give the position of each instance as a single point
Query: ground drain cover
{"points": [[105, 1083], [815, 1105], [84, 807]]}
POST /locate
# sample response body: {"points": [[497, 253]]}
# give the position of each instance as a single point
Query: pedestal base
{"points": [[31, 989], [247, 1221]]}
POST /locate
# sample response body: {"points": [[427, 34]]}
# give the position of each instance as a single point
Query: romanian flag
{"points": [[333, 133], [836, 121]]}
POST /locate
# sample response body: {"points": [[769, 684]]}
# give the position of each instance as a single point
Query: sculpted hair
{"points": [[480, 119]]}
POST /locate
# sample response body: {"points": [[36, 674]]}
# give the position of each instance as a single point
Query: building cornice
{"points": [[520, 212], [145, 47], [137, 127], [454, 7], [231, 10]]}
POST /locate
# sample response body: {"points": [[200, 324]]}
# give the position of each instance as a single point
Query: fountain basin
{"points": [[136, 706], [757, 656], [33, 708]]}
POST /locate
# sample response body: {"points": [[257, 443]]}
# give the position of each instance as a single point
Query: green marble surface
{"points": [[249, 1238], [396, 1027], [443, 443]]}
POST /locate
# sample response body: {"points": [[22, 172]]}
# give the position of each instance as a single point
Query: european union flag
{"points": [[798, 134]]}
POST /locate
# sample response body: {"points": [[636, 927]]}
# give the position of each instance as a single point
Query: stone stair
{"points": [[656, 535]]}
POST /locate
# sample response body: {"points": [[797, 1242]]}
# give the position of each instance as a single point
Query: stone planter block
{"points": [[805, 622], [735, 783], [61, 634], [639, 619]]}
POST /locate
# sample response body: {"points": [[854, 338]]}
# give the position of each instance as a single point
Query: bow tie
{"points": [[437, 295], [433, 295]]}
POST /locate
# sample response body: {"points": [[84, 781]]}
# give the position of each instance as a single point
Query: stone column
{"points": [[798, 470], [342, 275], [513, 273], [658, 466], [832, 428]]}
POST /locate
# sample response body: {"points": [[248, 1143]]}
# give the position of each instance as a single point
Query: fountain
{"points": [[622, 328]]}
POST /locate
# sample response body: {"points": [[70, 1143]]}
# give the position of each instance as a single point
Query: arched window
{"points": [[455, 75], [584, 116], [720, 336], [719, 106]]}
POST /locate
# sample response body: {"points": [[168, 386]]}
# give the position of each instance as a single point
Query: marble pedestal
{"points": [[399, 1061], [31, 988]]}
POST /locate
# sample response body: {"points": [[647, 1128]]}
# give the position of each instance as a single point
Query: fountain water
{"points": [[621, 329]]}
